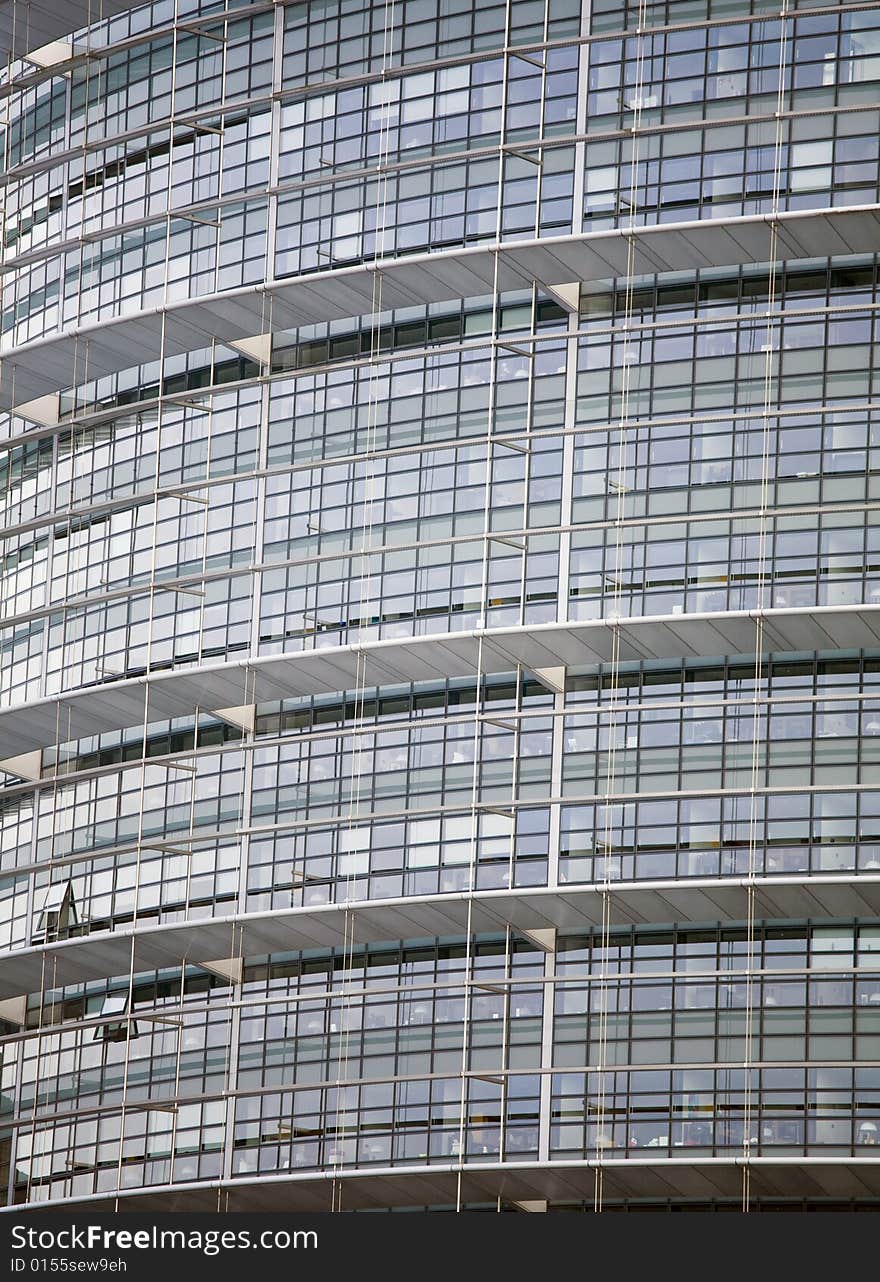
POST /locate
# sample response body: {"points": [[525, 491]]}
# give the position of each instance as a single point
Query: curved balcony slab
{"points": [[568, 909], [44, 366], [160, 696], [692, 1178], [25, 28]]}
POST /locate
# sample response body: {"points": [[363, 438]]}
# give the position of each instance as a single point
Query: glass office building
{"points": [[440, 635]]}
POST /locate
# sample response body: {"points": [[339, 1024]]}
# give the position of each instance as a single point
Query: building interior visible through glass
{"points": [[440, 605]]}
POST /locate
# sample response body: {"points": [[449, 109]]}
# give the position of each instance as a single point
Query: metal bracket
{"points": [[544, 937], [244, 716], [552, 678], [54, 53], [568, 296], [519, 351], [524, 57], [14, 1010], [186, 403], [198, 125], [193, 218], [182, 494], [28, 765], [196, 29], [45, 411], [224, 967], [258, 347]]}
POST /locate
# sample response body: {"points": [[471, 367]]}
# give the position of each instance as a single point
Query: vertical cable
{"points": [[177, 1064], [365, 586], [52, 836], [150, 621], [473, 846], [38, 1051], [236, 953], [467, 979], [127, 1056], [751, 1141], [617, 586]]}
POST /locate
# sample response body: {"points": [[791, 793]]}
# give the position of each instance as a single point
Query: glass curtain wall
{"points": [[653, 865]]}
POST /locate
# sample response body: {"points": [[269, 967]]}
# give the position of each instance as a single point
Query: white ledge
{"points": [[694, 1178], [34, 370], [567, 909], [28, 27], [116, 705]]}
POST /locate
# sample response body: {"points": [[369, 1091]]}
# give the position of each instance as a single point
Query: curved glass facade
{"points": [[440, 626]]}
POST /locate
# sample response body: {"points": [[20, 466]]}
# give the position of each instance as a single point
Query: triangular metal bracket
{"points": [[28, 765], [45, 411], [244, 716], [225, 968], [552, 678], [568, 296], [258, 347], [544, 937], [537, 1204], [14, 1010]]}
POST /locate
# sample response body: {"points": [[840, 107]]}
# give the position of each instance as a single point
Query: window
{"points": [[58, 914], [115, 1030]]}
